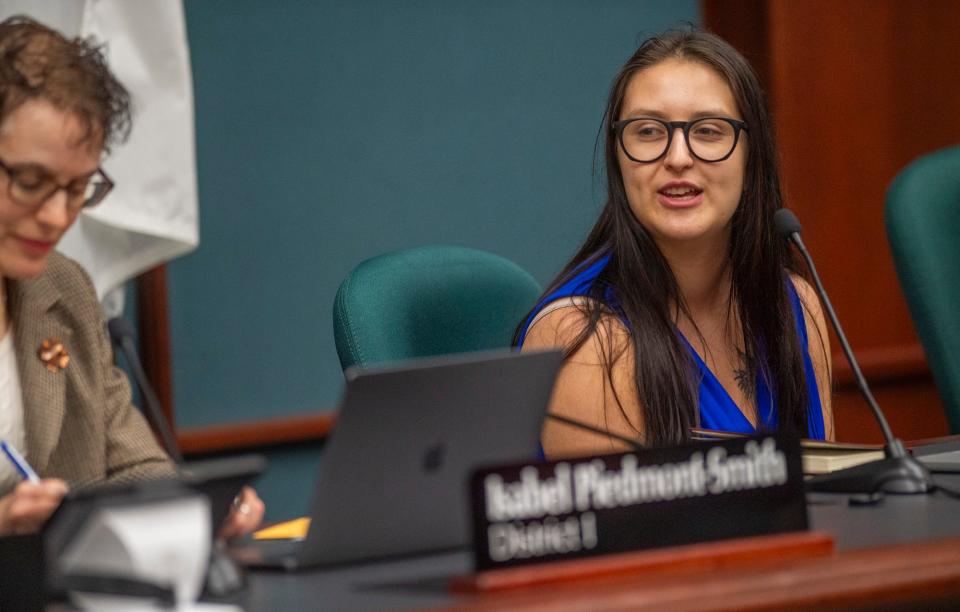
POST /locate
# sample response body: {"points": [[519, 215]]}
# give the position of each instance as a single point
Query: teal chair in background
{"points": [[923, 227], [430, 300]]}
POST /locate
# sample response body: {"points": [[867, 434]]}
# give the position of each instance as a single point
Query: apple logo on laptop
{"points": [[433, 457]]}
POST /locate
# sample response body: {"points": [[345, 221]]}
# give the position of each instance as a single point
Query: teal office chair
{"points": [[923, 227], [429, 300]]}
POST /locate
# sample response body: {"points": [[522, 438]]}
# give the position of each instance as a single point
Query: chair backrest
{"points": [[430, 300], [923, 227]]}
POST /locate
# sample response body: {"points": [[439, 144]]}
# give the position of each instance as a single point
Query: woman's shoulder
{"points": [[572, 291], [71, 282], [562, 322], [806, 293], [66, 274], [569, 303], [560, 319]]}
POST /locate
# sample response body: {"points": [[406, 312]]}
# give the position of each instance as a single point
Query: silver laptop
{"points": [[939, 457], [394, 474]]}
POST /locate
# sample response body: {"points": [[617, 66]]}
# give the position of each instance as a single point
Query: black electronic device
{"points": [[124, 338], [408, 435]]}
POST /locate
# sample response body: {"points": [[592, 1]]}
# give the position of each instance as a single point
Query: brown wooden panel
{"points": [[926, 49], [882, 364], [154, 335], [256, 434], [742, 23], [834, 92], [913, 409], [858, 89], [848, 105], [923, 576], [903, 387], [734, 553]]}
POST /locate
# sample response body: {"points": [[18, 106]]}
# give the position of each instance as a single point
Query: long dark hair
{"points": [[647, 297]]}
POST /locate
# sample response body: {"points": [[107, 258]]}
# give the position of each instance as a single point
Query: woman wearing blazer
{"points": [[63, 403]]}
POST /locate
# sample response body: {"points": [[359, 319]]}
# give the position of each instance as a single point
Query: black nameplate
{"points": [[704, 491]]}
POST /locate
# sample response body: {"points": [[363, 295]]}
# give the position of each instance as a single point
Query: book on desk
{"points": [[823, 457], [820, 457]]}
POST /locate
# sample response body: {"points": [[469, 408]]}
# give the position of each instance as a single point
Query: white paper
{"points": [[164, 542], [104, 603]]}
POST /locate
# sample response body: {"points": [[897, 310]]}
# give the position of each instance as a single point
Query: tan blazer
{"points": [[79, 422]]}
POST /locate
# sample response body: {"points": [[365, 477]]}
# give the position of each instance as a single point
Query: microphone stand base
{"points": [[900, 475]]}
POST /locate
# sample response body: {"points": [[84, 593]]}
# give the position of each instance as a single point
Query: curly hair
{"points": [[37, 62]]}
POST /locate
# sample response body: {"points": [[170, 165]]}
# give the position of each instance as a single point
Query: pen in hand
{"points": [[19, 462]]}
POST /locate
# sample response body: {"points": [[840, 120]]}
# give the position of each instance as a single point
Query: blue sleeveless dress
{"points": [[717, 410]]}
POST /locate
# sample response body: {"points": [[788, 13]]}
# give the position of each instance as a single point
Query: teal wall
{"points": [[331, 131]]}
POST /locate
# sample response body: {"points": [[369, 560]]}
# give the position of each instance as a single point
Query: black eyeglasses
{"points": [[709, 139], [31, 185]]}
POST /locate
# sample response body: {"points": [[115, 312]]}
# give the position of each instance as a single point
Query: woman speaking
{"points": [[683, 308]]}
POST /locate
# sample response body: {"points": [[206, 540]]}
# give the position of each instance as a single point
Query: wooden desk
{"points": [[923, 575], [902, 552]]}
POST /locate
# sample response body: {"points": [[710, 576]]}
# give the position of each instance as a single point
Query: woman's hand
{"points": [[245, 515], [28, 507]]}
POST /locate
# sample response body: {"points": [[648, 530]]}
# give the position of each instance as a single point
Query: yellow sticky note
{"points": [[287, 530]]}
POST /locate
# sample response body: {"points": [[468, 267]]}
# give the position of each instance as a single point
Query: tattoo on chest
{"points": [[744, 374]]}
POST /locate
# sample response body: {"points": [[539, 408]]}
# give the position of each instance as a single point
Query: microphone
{"points": [[898, 471], [632, 443], [123, 337]]}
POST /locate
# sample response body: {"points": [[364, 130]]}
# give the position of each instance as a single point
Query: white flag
{"points": [[151, 216]]}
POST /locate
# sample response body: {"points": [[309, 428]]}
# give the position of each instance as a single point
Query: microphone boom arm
{"points": [[122, 335], [898, 471], [847, 351]]}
